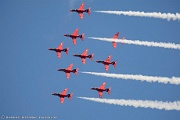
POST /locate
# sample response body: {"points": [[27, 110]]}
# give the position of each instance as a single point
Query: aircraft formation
{"points": [[83, 57]]}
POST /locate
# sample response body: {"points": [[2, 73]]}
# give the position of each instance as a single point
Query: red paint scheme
{"points": [[116, 37], [107, 62], [68, 70], [63, 94], [101, 89], [74, 36], [80, 10], [59, 49], [84, 55]]}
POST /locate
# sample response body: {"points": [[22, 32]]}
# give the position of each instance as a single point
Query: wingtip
{"points": [[109, 56], [104, 83]]}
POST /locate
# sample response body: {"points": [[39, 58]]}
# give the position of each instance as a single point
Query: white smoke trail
{"points": [[165, 80], [168, 16], [138, 42], [138, 103]]}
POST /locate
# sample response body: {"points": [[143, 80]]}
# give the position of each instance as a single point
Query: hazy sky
{"points": [[29, 70]]}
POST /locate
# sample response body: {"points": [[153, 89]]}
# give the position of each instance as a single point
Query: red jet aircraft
{"points": [[107, 62], [59, 49], [101, 89], [63, 94], [68, 70], [74, 36], [80, 10], [116, 37], [84, 55]]}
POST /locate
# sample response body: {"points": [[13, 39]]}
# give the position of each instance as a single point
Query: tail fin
{"points": [[88, 11], [114, 63], [91, 56], [70, 96], [82, 37], [122, 40], [75, 71]]}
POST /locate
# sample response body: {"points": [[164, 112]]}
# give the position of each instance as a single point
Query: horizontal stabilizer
{"points": [[66, 50], [82, 37], [75, 71], [70, 96], [88, 11], [114, 63]]}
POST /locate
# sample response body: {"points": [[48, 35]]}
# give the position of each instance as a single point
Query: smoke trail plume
{"points": [[165, 80], [138, 103], [168, 16], [138, 42]]}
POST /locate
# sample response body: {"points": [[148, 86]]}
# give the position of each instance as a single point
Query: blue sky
{"points": [[29, 70]]}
